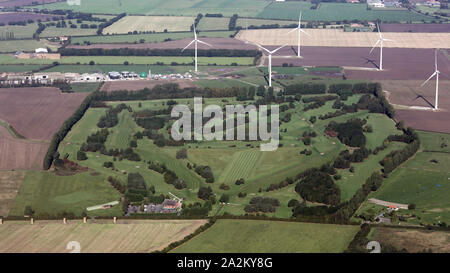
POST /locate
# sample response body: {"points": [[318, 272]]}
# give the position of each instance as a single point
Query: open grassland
{"points": [[12, 46], [140, 236], [148, 38], [18, 68], [250, 236], [213, 23], [150, 23], [10, 182], [20, 32], [339, 38], [413, 240], [48, 193], [435, 142], [424, 181], [53, 31], [168, 7], [8, 59]]}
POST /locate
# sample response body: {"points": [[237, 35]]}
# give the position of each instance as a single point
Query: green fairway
{"points": [[250, 236], [351, 182]]}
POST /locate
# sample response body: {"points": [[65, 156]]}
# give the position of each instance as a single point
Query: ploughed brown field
{"points": [[413, 240], [217, 43], [35, 113], [407, 96], [141, 84], [426, 28], [398, 63], [20, 154], [7, 17]]}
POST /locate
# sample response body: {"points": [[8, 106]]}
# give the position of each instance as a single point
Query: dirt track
{"points": [[386, 204]]}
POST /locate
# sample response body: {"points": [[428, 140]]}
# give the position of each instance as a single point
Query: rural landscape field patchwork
{"points": [[224, 126]]}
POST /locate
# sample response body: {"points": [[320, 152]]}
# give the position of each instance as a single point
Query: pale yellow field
{"points": [[150, 23], [339, 38], [127, 236]]}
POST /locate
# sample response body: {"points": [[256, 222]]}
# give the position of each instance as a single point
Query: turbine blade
{"points": [[277, 49], [375, 45], [378, 28], [188, 45], [300, 19], [432, 75], [388, 40], [435, 60], [305, 32], [292, 30], [260, 46], [204, 43]]}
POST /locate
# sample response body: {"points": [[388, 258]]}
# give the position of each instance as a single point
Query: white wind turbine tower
{"points": [[195, 41], [270, 60], [300, 30], [435, 73], [380, 41]]}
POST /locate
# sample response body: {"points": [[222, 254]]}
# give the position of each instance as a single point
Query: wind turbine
{"points": [[435, 73], [300, 30], [195, 41], [270, 60], [246, 30], [380, 41]]}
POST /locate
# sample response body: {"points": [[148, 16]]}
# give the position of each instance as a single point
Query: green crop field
{"points": [[148, 38], [250, 236], [105, 68], [167, 7], [247, 22], [48, 193], [213, 23], [18, 68], [116, 60], [84, 86], [336, 12], [150, 23]]}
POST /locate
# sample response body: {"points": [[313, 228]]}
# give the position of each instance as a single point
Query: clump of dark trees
{"points": [[262, 204]]}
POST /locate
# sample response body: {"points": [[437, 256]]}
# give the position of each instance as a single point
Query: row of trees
{"points": [[158, 52]]}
